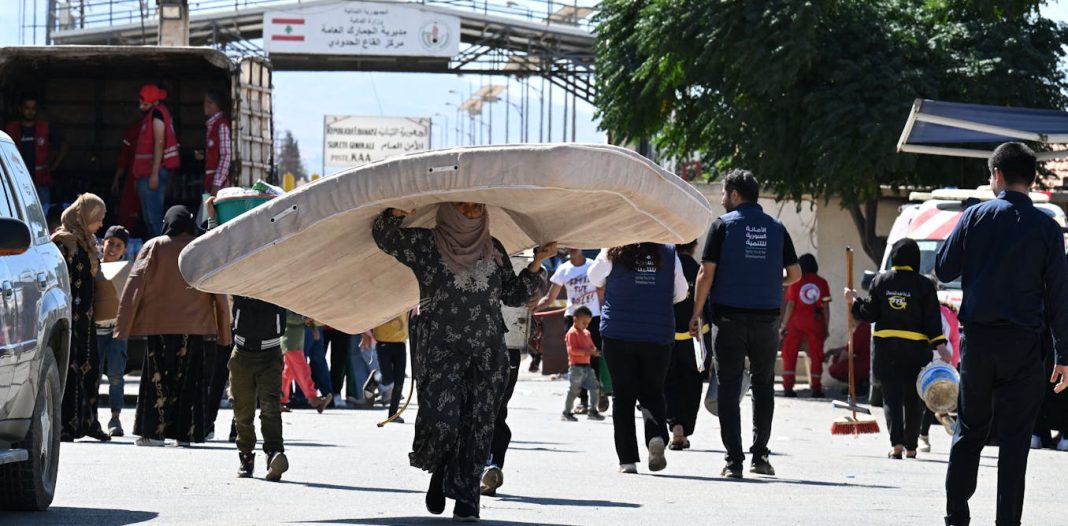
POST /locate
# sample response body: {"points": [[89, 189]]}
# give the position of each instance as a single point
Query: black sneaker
{"points": [[818, 393], [464, 513], [568, 417], [594, 415], [761, 466], [277, 463], [248, 463], [790, 393], [733, 470]]}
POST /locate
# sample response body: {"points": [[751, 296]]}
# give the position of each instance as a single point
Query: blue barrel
{"points": [[938, 385]]}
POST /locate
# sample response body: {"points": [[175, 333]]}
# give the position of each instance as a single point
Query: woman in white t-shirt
{"points": [[571, 276]]}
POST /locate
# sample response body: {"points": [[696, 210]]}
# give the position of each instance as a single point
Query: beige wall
{"points": [[835, 232]]}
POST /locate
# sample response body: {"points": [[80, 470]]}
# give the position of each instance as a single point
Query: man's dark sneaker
{"points": [[790, 393], [248, 462], [464, 513], [568, 417], [492, 478], [115, 428], [732, 470], [594, 415], [761, 466], [435, 494], [277, 463], [818, 393]]}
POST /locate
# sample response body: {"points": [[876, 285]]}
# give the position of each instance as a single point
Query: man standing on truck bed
{"points": [[1010, 258], [155, 156], [217, 156], [36, 137]]}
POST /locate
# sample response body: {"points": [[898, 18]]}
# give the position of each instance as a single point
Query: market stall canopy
{"points": [[311, 250], [940, 128]]}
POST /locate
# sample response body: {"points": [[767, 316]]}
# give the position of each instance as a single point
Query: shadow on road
{"points": [[550, 449], [421, 521], [79, 516], [552, 501], [769, 480], [348, 488]]}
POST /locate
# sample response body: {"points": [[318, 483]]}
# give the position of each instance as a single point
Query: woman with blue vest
{"points": [[641, 284]]}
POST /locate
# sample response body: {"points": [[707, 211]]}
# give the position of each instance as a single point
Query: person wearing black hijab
{"points": [[181, 326], [904, 308]]}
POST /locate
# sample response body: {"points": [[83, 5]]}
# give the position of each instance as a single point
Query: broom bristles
{"points": [[849, 426]]}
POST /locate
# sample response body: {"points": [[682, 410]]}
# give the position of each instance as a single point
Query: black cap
{"points": [[120, 232]]}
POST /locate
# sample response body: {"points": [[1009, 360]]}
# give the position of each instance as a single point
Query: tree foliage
{"points": [[289, 158], [812, 95]]}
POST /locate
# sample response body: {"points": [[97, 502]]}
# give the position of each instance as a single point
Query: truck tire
{"points": [[31, 485]]}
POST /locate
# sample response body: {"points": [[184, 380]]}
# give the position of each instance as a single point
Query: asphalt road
{"points": [[347, 471]]}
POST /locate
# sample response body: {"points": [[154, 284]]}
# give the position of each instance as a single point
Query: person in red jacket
{"points": [[218, 154], [155, 156], [125, 189], [36, 138], [805, 319]]}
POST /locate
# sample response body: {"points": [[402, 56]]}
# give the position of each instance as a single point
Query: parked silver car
{"points": [[35, 317]]}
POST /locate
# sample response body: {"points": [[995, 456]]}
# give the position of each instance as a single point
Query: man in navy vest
{"points": [[745, 254], [1010, 258]]}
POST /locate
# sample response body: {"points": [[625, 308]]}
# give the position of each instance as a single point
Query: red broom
{"points": [[852, 425]]}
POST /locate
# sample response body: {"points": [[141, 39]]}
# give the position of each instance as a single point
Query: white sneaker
{"points": [[628, 468], [657, 461], [149, 442], [1063, 444], [1036, 442], [925, 444]]}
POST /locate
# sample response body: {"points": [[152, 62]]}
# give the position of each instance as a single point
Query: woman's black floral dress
{"points": [[459, 358], [83, 379]]}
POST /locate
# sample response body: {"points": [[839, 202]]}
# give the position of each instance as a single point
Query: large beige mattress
{"points": [[311, 251]]}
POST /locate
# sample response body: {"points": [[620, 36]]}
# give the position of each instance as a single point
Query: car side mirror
{"points": [[865, 282], [15, 237]]}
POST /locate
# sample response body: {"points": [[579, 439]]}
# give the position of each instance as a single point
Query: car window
{"points": [[24, 192], [7, 207]]}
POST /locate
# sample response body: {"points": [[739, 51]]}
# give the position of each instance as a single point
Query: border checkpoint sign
{"points": [[352, 140], [363, 29]]}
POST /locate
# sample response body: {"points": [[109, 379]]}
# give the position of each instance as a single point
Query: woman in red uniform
{"points": [[805, 319]]}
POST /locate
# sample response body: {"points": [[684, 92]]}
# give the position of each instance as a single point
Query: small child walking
{"points": [[580, 350]]}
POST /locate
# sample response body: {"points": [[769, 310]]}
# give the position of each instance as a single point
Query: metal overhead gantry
{"points": [[544, 38]]}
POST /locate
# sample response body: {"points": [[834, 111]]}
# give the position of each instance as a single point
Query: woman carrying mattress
{"points": [[459, 362]]}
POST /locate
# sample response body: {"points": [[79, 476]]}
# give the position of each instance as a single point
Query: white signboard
{"points": [[362, 28], [351, 141]]}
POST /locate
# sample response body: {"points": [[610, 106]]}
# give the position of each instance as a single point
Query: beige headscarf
{"points": [[462, 242], [74, 230]]}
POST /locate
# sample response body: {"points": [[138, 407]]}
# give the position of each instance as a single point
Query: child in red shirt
{"points": [[580, 349], [806, 320]]}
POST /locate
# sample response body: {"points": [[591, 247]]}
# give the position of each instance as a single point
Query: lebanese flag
{"points": [[287, 29]]}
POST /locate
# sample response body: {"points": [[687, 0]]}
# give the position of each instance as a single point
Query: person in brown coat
{"points": [[182, 326]]}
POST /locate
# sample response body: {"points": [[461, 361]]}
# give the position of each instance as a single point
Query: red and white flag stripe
{"points": [[285, 25]]}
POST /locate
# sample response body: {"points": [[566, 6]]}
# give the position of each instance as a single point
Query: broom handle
{"points": [[849, 334]]}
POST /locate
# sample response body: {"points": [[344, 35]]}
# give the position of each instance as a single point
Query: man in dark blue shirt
{"points": [[742, 266], [1010, 258]]}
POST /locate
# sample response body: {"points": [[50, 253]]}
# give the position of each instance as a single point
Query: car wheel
{"points": [[31, 485]]}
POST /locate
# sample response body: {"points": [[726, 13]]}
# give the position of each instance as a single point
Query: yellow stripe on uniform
{"points": [[904, 335], [683, 336]]}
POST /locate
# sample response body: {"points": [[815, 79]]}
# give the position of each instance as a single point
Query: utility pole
{"points": [[173, 23]]}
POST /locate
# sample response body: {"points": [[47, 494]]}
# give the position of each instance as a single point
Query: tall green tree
{"points": [[812, 95], [289, 158]]}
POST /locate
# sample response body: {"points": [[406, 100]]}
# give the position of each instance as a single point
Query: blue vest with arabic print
{"points": [[639, 305], [749, 271]]}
